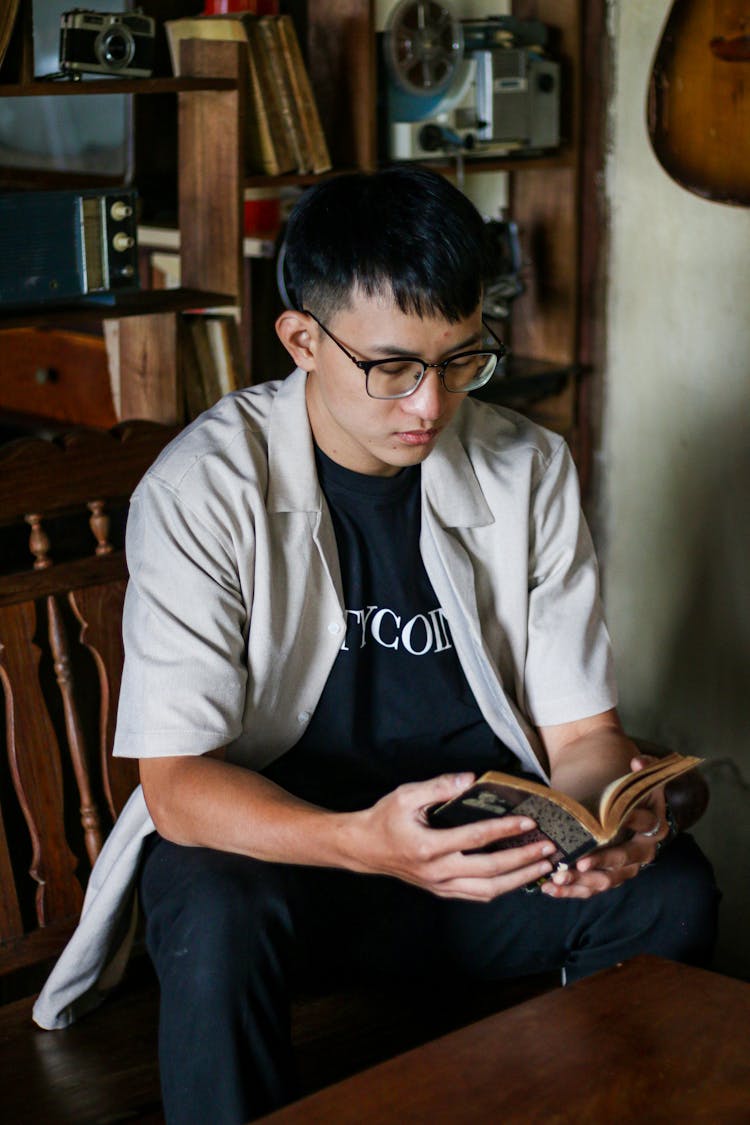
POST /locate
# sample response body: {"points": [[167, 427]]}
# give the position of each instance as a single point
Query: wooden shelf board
{"points": [[141, 303], [525, 379], [65, 88], [564, 158], [293, 179]]}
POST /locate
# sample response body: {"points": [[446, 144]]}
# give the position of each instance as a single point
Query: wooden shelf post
{"points": [[147, 351], [211, 169]]}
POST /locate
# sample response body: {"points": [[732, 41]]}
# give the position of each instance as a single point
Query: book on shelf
{"points": [[8, 15], [195, 400], [167, 239], [268, 107], [213, 364], [279, 82], [268, 149], [283, 126], [164, 268], [317, 146], [575, 825], [226, 350]]}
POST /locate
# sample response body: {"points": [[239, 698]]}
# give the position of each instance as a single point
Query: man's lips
{"points": [[417, 437]]}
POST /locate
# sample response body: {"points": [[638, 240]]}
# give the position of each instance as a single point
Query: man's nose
{"points": [[429, 399]]}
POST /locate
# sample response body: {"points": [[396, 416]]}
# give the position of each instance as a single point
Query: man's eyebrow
{"points": [[387, 350]]}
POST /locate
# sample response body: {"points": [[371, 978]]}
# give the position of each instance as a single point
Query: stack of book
{"points": [[212, 360], [284, 130]]}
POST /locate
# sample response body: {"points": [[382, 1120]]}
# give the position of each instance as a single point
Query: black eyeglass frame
{"points": [[366, 365]]}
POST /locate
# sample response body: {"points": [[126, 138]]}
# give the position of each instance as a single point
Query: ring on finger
{"points": [[653, 831]]}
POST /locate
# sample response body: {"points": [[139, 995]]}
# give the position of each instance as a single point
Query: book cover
{"points": [[224, 341], [206, 373], [267, 101], [268, 149], [269, 35], [194, 394], [320, 158], [575, 827], [221, 28]]}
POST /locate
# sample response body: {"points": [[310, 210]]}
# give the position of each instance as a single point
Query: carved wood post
{"points": [[99, 524], [89, 812], [39, 543]]}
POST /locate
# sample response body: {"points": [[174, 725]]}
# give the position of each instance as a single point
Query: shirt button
{"points": [[334, 627], [303, 716]]}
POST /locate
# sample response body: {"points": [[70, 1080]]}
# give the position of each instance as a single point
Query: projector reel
{"points": [[423, 47]]}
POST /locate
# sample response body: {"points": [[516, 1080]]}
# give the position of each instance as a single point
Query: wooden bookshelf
{"points": [[545, 191], [148, 342]]}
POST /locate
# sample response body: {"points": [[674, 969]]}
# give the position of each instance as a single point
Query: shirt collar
{"points": [[450, 482], [292, 480]]}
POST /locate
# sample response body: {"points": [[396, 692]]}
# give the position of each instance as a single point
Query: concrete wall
{"points": [[674, 492]]}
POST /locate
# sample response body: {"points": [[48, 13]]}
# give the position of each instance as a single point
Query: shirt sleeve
{"points": [[569, 670], [184, 629]]}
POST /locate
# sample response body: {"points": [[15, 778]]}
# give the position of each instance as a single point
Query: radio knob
{"points": [[431, 138], [120, 211], [122, 242]]}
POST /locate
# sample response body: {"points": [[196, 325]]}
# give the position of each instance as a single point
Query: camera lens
{"points": [[115, 47]]}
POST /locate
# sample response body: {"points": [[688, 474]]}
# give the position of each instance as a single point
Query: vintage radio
{"points": [[63, 245]]}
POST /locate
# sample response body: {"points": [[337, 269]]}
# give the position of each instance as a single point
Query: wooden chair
{"points": [[62, 580], [63, 507]]}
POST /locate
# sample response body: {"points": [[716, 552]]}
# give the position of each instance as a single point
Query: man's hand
{"points": [[609, 867], [393, 838], [202, 802]]}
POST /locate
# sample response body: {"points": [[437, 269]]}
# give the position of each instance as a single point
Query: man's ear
{"points": [[294, 329]]}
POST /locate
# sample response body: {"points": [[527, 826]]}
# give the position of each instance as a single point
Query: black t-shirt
{"points": [[397, 706]]}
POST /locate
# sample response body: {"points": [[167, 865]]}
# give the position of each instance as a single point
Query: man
{"points": [[350, 592]]}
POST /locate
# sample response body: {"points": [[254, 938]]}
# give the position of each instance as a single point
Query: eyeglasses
{"points": [[399, 377]]}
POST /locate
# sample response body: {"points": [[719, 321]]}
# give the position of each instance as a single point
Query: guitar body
{"points": [[699, 98]]}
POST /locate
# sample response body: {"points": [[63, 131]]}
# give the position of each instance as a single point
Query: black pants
{"points": [[227, 934]]}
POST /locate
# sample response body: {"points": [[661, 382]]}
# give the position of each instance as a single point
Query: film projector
{"points": [[450, 86]]}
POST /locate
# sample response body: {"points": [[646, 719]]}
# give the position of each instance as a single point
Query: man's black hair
{"points": [[404, 231]]}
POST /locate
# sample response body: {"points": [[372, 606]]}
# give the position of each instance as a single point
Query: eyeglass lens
{"points": [[398, 377]]}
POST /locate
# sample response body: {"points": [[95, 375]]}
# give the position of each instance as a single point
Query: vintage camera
{"points": [[119, 43]]}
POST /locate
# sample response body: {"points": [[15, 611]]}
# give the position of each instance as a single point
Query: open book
{"points": [[575, 826]]}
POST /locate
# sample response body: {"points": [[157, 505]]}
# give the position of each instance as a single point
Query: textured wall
{"points": [[675, 489]]}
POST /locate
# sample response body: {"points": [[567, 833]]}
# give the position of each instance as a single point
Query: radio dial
{"points": [[122, 242], [120, 211]]}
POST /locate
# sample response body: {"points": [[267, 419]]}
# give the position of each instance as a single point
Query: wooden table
{"points": [[648, 1042]]}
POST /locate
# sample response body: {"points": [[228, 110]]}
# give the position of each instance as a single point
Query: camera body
{"points": [[119, 43]]}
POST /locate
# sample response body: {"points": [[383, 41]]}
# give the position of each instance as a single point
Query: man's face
{"points": [[381, 436]]}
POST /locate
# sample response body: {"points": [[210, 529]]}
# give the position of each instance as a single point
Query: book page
{"points": [[498, 794], [622, 795]]}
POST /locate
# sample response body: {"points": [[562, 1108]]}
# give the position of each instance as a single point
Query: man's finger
{"points": [[521, 830], [420, 795]]}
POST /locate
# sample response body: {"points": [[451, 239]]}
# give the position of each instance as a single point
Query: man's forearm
{"points": [[587, 756], [204, 802]]}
